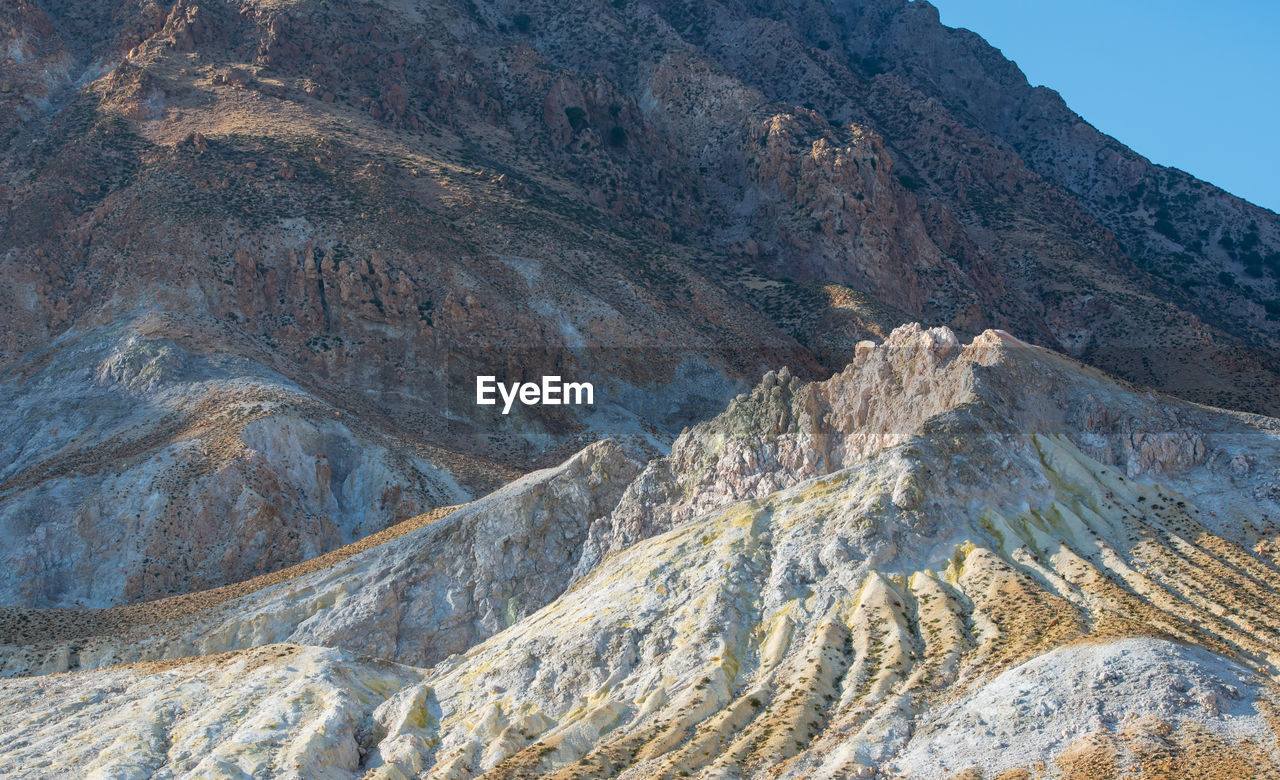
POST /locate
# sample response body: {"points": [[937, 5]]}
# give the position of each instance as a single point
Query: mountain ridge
{"points": [[891, 585], [380, 201], [1006, 502]]}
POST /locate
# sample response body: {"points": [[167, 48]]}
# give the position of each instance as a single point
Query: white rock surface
{"points": [[885, 589], [1041, 707], [274, 711], [417, 599]]}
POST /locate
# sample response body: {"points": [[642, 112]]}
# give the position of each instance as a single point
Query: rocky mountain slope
{"points": [[137, 468], [371, 203], [948, 559]]}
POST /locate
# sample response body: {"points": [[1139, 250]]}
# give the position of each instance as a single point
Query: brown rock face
{"points": [[374, 203]]}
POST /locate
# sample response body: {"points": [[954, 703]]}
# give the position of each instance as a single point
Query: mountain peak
{"points": [[922, 385]]}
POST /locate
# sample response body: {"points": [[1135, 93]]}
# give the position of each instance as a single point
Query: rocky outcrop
{"points": [[839, 214], [431, 592], [785, 431]]}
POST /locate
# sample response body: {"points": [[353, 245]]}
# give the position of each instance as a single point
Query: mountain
{"points": [[362, 206], [947, 558], [1006, 502]]}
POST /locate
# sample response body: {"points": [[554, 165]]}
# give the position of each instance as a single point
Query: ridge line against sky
{"points": [[1190, 85]]}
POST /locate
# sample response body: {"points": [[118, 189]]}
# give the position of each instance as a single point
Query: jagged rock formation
{"points": [[786, 432], [378, 201], [948, 558]]}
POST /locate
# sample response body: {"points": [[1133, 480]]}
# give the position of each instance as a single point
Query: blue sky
{"points": [[1194, 85]]}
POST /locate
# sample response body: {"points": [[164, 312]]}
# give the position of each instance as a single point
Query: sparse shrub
{"points": [[1165, 228], [522, 22], [910, 182], [577, 116], [872, 66]]}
